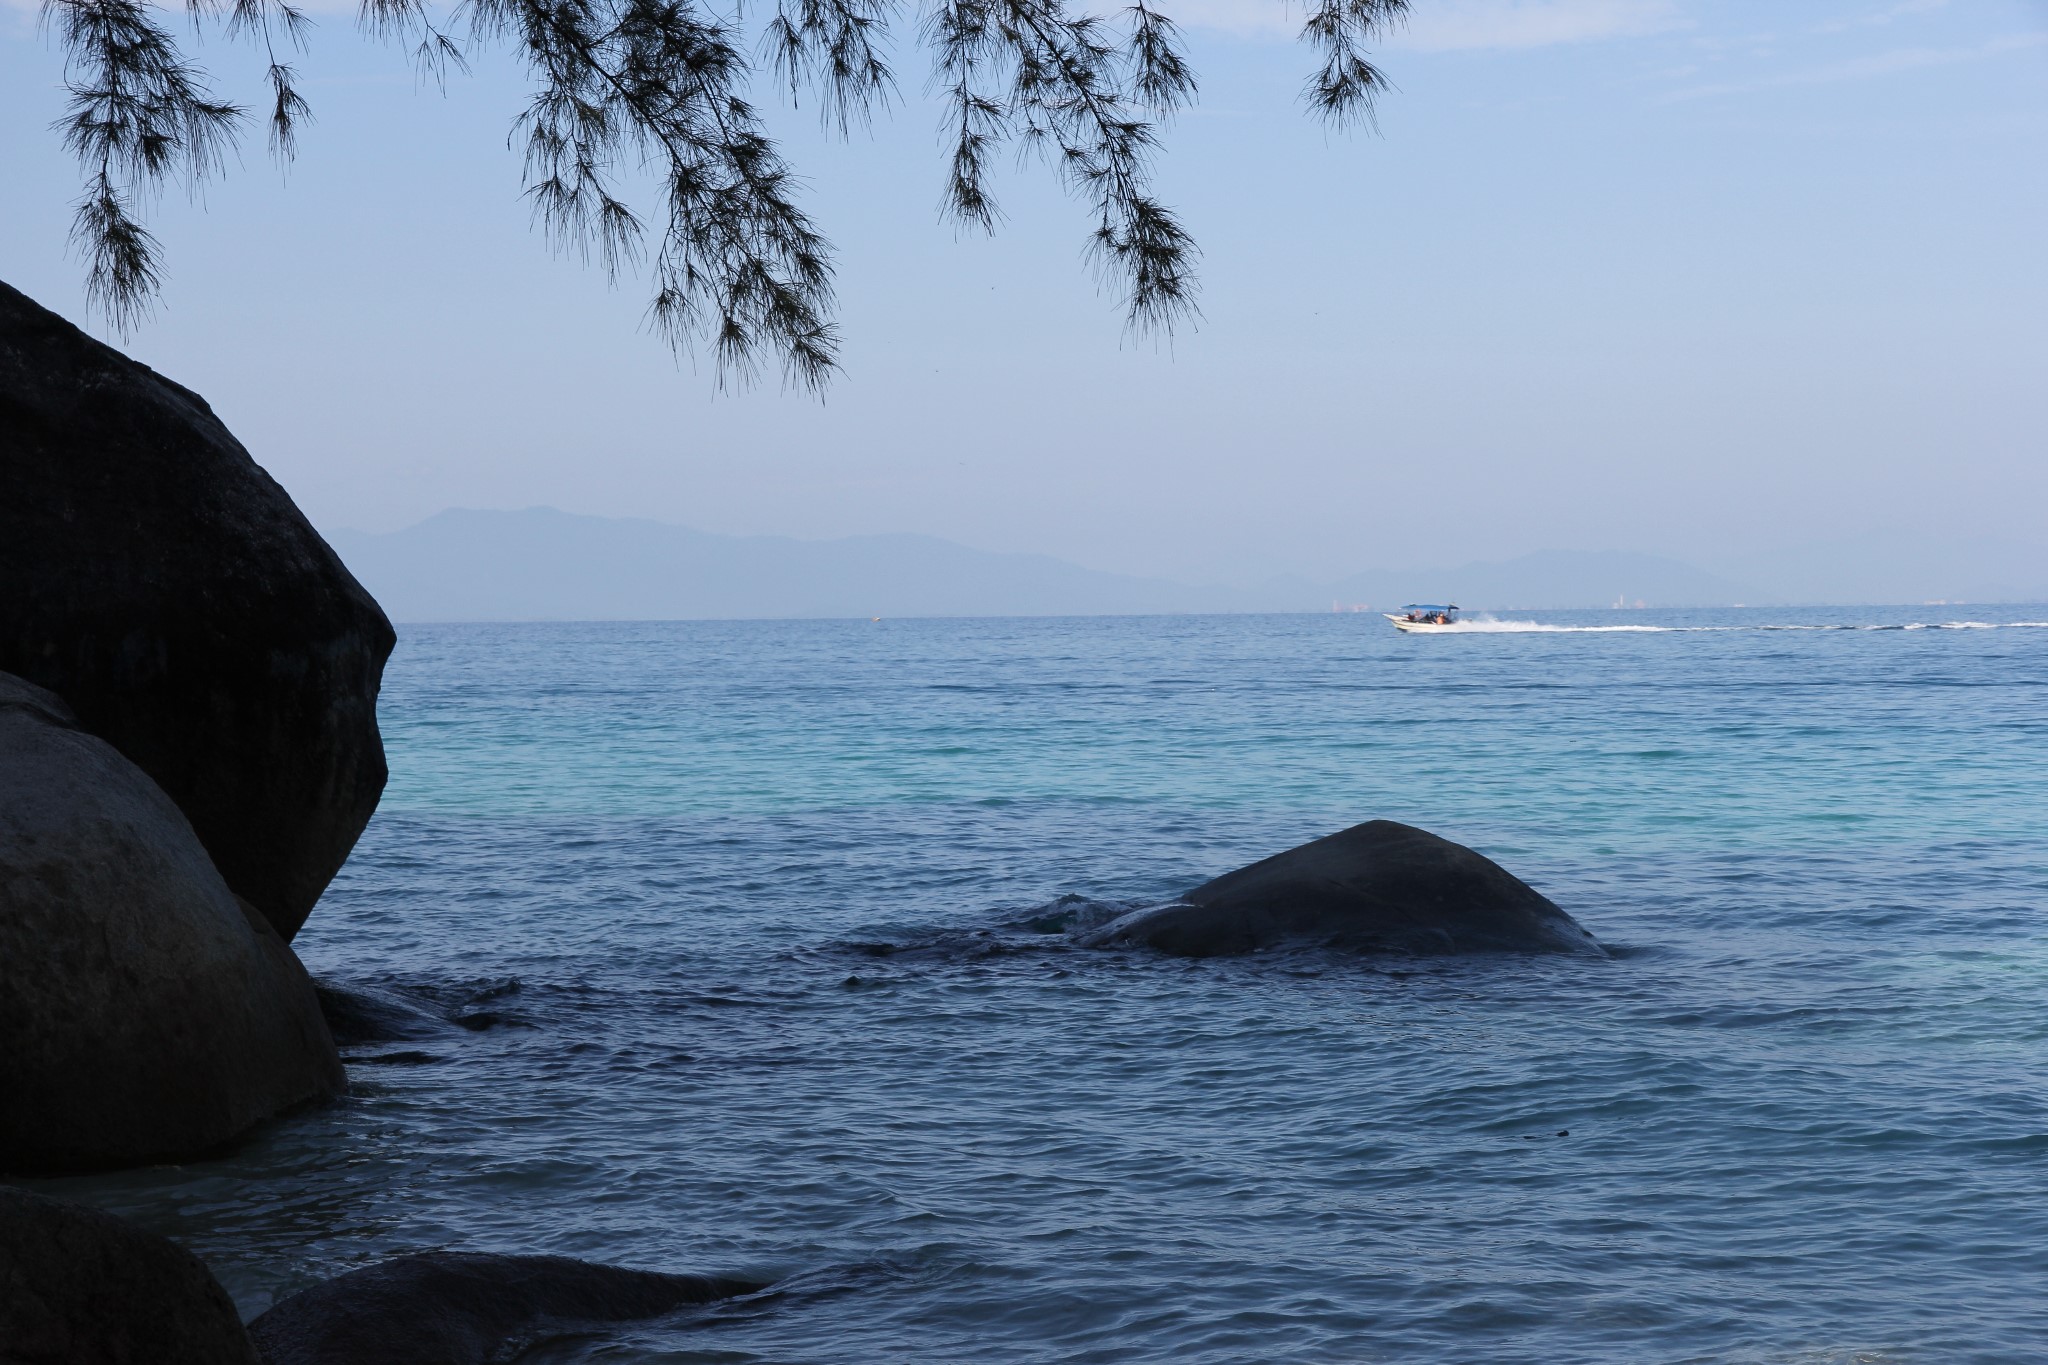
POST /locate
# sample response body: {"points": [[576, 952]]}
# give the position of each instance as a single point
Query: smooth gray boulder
{"points": [[158, 580], [145, 1013], [81, 1287], [466, 1308], [1379, 887]]}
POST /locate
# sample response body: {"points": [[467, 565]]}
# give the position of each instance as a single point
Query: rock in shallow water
{"points": [[368, 1014], [81, 1287], [145, 1014], [465, 1308], [158, 580], [1379, 887]]}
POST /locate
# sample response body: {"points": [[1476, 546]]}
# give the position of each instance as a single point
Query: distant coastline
{"points": [[540, 564], [543, 564]]}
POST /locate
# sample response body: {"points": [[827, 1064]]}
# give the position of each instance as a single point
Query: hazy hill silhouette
{"points": [[541, 564]]}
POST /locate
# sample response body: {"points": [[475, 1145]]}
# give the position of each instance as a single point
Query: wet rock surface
{"points": [[466, 1308], [1379, 887], [158, 580], [358, 1014], [81, 1287], [366, 1017]]}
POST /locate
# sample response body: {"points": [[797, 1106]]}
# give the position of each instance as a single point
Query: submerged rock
{"points": [[145, 1013], [81, 1287], [359, 1013], [1379, 887], [466, 1308], [158, 580], [368, 1014]]}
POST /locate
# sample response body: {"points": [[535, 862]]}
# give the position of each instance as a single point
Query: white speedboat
{"points": [[1423, 618]]}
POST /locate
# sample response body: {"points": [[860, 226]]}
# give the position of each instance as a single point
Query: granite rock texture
{"points": [[158, 580], [81, 1287], [466, 1308], [1379, 887], [145, 1012]]}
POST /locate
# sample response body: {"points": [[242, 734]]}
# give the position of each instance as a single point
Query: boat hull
{"points": [[1402, 623]]}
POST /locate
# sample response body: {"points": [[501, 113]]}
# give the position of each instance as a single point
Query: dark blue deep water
{"points": [[755, 928]]}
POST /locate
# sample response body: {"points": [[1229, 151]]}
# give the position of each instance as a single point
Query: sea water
{"points": [[755, 933]]}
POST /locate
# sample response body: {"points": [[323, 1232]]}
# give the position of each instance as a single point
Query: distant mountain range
{"points": [[544, 565]]}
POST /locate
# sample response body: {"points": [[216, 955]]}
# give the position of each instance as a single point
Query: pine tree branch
{"points": [[633, 84]]}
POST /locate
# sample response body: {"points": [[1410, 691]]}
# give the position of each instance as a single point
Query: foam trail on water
{"points": [[1488, 625]]}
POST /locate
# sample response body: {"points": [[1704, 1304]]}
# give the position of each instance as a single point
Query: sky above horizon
{"points": [[1724, 280]]}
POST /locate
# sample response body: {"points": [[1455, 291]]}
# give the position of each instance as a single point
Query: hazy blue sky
{"points": [[1710, 278]]}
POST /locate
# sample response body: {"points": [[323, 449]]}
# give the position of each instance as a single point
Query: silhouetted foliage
{"points": [[663, 83]]}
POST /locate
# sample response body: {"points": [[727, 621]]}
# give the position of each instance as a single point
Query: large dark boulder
{"points": [[466, 1308], [145, 1013], [1379, 887], [157, 579], [81, 1287]]}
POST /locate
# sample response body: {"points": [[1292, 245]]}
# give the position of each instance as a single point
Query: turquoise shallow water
{"points": [[742, 914]]}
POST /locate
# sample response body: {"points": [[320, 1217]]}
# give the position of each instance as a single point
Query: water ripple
{"points": [[759, 934]]}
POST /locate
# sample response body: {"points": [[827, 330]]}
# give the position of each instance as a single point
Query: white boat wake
{"points": [[1486, 625]]}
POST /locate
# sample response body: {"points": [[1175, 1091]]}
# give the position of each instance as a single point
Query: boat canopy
{"points": [[1429, 606]]}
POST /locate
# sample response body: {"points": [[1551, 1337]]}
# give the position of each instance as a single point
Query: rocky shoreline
{"points": [[188, 752]]}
